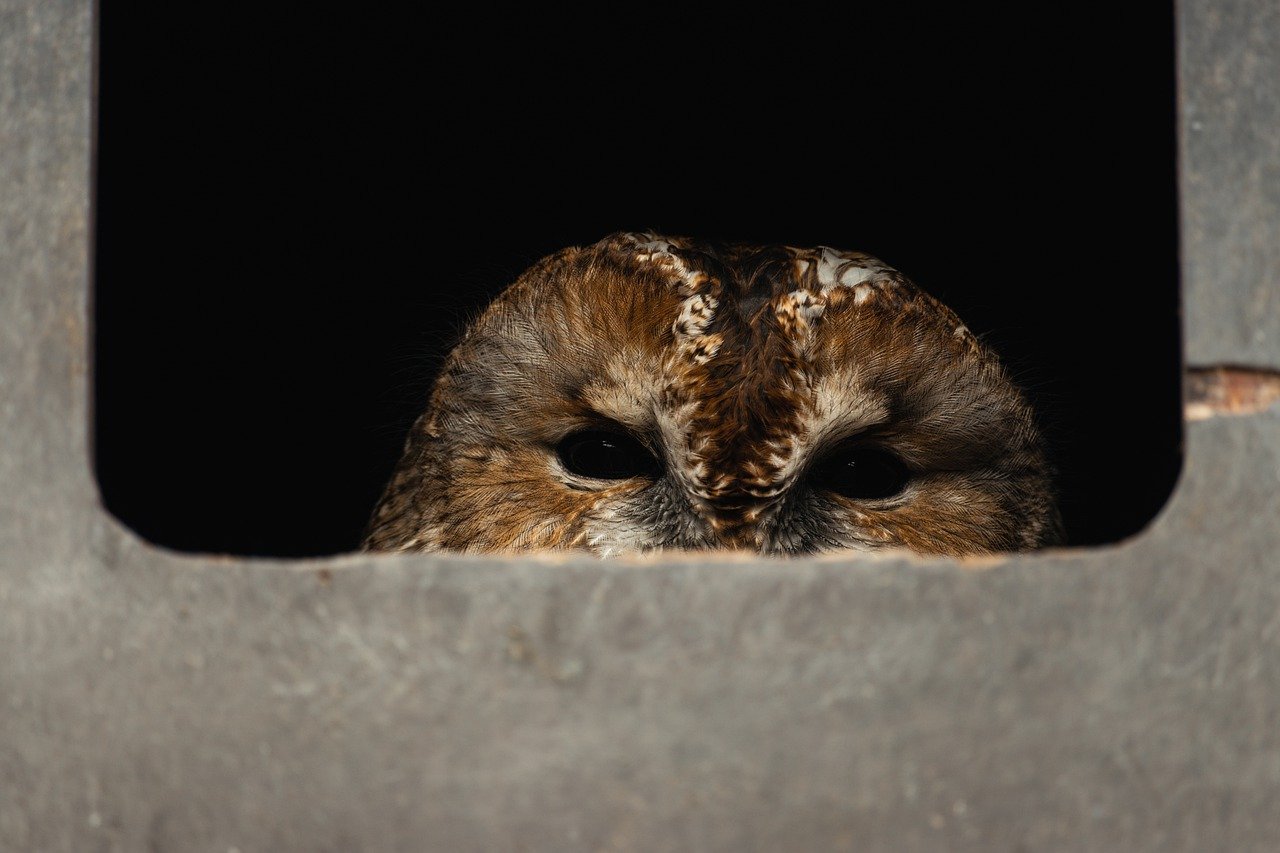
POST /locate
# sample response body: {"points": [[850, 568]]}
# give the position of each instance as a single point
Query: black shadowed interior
{"points": [[298, 211]]}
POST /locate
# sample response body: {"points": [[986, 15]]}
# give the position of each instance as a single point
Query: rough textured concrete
{"points": [[1120, 698], [1229, 135]]}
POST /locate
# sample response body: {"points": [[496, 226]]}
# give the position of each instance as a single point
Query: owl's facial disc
{"points": [[650, 393]]}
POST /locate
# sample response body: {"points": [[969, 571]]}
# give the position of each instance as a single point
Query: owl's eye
{"points": [[606, 455], [862, 472]]}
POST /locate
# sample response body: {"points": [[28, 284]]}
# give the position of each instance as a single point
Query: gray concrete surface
{"points": [[1229, 136], [1118, 698]]}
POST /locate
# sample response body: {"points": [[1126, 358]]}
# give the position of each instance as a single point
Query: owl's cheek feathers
{"points": [[529, 503]]}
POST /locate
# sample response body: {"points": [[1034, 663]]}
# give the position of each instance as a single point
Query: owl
{"points": [[649, 392]]}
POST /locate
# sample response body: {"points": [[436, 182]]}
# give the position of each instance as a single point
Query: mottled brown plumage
{"points": [[744, 371]]}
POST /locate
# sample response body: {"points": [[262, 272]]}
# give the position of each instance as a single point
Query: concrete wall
{"points": [[1118, 698]]}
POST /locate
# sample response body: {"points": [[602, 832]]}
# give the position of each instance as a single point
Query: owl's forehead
{"points": [[756, 328], [727, 299], [750, 275]]}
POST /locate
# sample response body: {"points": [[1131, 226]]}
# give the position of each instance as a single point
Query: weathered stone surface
{"points": [[1123, 697], [1117, 698], [1229, 140]]}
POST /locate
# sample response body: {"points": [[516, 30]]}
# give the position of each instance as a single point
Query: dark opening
{"points": [[298, 210]]}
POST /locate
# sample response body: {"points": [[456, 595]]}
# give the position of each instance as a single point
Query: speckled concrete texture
{"points": [[1229, 136], [1119, 698]]}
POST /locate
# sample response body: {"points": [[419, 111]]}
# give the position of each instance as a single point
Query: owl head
{"points": [[652, 392]]}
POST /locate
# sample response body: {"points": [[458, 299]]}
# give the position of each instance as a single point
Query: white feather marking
{"points": [[696, 313], [808, 306], [841, 269], [650, 248], [828, 268], [853, 276]]}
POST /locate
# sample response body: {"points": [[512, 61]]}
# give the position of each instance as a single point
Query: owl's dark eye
{"points": [[862, 472], [606, 455]]}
